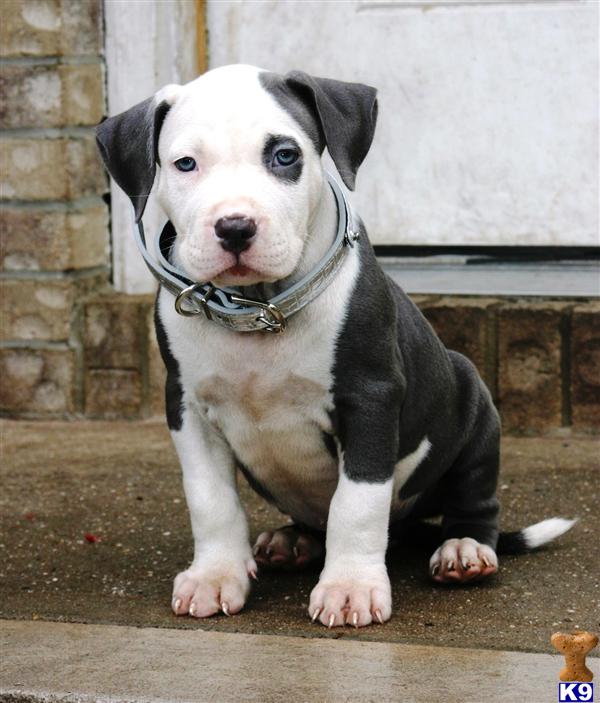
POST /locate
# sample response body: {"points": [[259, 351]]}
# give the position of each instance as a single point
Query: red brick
{"points": [[157, 373], [463, 324], [529, 369], [50, 27], [33, 240], [51, 169], [51, 95], [113, 393], [37, 381], [114, 334], [33, 309], [585, 367]]}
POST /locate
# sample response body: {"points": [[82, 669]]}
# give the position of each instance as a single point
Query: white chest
{"points": [[274, 423], [270, 395]]}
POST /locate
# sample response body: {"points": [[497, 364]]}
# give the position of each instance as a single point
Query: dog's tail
{"points": [[534, 536]]}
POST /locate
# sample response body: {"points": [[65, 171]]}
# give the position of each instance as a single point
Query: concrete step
{"points": [[74, 663]]}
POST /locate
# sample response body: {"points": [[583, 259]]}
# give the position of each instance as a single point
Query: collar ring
{"points": [[203, 300]]}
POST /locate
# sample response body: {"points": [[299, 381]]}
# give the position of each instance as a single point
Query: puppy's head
{"points": [[240, 173]]}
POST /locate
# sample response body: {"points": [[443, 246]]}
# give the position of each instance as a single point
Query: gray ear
{"points": [[128, 143], [346, 113]]}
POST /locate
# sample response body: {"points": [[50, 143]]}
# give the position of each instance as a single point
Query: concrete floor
{"points": [[121, 483], [108, 664]]}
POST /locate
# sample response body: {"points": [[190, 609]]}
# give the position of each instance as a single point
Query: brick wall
{"points": [[54, 248], [540, 359]]}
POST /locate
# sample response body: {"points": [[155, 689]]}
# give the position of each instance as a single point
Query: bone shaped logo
{"points": [[575, 647]]}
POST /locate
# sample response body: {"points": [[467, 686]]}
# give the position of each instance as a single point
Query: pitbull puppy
{"points": [[356, 417]]}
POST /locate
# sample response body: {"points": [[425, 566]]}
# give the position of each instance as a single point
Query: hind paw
{"points": [[462, 560], [288, 547]]}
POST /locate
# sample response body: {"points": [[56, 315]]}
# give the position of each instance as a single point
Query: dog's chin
{"points": [[241, 275]]}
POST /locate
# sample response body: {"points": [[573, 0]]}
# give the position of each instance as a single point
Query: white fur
{"points": [[403, 471], [355, 575], [266, 398], [546, 531], [263, 398], [222, 557], [222, 120], [357, 531], [268, 395]]}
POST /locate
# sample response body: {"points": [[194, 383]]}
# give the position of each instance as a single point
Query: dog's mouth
{"points": [[238, 270], [238, 275]]}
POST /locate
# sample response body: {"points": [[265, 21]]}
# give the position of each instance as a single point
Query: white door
{"points": [[488, 115]]}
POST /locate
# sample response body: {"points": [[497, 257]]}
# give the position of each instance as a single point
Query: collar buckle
{"points": [[270, 315]]}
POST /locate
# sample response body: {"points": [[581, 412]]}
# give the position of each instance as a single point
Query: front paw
{"points": [[203, 590], [355, 598]]}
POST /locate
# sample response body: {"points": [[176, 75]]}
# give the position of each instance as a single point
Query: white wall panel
{"points": [[488, 110], [148, 44]]}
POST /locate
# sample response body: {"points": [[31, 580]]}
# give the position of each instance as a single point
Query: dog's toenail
{"points": [[436, 568], [176, 605], [225, 607], [256, 550], [486, 561], [355, 619], [331, 620], [450, 566], [379, 616], [316, 614], [192, 609]]}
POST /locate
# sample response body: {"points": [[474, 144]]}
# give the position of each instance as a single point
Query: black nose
{"points": [[235, 232]]}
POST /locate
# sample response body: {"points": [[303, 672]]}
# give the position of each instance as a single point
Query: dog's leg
{"points": [[354, 587], [217, 579], [470, 508]]}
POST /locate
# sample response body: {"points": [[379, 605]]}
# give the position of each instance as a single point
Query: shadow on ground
{"points": [[68, 484]]}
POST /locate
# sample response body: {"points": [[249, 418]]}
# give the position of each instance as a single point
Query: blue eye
{"points": [[185, 164], [286, 157]]}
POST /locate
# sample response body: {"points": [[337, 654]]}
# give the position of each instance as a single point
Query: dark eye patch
{"points": [[283, 157]]}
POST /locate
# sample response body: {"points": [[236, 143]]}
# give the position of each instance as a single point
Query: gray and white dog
{"points": [[357, 417]]}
